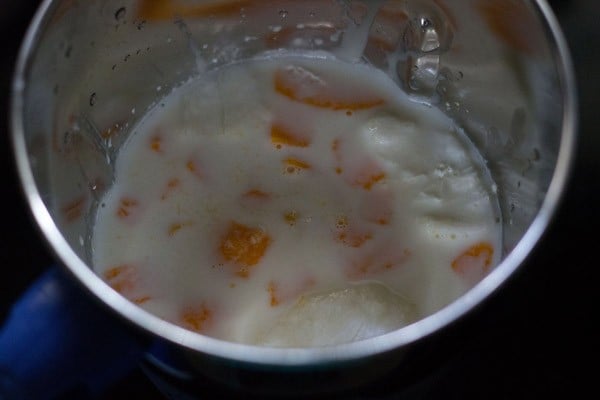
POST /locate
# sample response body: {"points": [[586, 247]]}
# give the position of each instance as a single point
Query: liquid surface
{"points": [[295, 202]]}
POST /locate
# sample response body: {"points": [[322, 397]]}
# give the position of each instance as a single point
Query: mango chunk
{"points": [[244, 246], [474, 262]]}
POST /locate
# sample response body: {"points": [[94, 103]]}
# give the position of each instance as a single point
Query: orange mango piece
{"points": [[377, 263], [141, 300], [294, 165], [124, 280], [354, 239], [510, 21], [388, 27], [368, 175], [341, 222], [196, 319], [380, 43], [121, 278], [74, 209], [302, 86], [156, 144], [335, 146], [195, 168], [349, 235], [171, 185], [476, 260], [365, 173], [378, 206], [256, 194], [115, 272], [161, 10], [244, 246], [337, 155], [371, 180], [61, 9], [273, 298], [126, 207], [290, 217], [176, 227], [280, 136], [254, 198], [281, 292]]}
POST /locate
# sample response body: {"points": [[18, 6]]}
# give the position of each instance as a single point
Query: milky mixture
{"points": [[295, 201]]}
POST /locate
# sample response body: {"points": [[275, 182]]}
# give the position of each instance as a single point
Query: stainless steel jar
{"points": [[89, 69]]}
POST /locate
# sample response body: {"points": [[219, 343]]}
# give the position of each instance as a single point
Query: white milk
{"points": [[296, 201]]}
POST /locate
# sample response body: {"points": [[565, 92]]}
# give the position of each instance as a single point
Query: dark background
{"points": [[535, 339]]}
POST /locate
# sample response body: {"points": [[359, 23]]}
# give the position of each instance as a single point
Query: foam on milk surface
{"points": [[264, 201]]}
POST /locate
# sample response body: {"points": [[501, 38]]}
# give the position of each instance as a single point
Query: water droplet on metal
{"points": [[283, 14], [425, 23], [120, 13]]}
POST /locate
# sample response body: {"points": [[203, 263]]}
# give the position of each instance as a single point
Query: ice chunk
{"points": [[354, 313]]}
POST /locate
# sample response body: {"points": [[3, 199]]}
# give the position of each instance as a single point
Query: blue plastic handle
{"points": [[57, 342]]}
